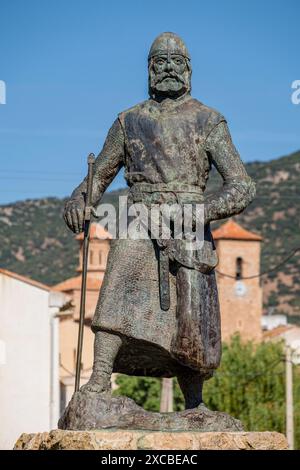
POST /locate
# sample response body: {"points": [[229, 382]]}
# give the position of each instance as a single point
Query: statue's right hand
{"points": [[74, 215]]}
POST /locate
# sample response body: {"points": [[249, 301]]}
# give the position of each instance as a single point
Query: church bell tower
{"points": [[240, 294]]}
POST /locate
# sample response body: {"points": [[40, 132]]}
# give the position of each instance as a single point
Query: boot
{"points": [[191, 386], [106, 348]]}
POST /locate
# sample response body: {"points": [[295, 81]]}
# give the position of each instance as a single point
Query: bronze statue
{"points": [[158, 311]]}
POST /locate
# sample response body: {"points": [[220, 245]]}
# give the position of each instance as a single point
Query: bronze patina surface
{"points": [[158, 311]]}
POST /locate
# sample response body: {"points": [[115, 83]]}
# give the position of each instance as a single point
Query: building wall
{"points": [[68, 336], [68, 344], [97, 259], [90, 305], [240, 301], [25, 379]]}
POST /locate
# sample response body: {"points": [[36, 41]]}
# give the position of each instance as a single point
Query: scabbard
{"points": [[164, 286]]}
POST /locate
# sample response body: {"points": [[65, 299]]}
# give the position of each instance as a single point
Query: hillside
{"points": [[35, 242]]}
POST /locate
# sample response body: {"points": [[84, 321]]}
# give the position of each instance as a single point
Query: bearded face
{"points": [[169, 75]]}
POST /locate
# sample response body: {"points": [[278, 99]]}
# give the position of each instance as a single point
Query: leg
{"points": [[106, 348], [197, 343], [191, 387]]}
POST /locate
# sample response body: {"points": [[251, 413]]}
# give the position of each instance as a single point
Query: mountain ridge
{"points": [[36, 243]]}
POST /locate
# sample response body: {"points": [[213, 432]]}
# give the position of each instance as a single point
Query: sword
{"points": [[87, 219], [164, 287]]}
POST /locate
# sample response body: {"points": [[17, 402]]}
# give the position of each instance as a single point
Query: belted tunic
{"points": [[167, 150]]}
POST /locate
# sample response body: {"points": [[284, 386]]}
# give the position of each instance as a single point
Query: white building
{"points": [[269, 322], [29, 357]]}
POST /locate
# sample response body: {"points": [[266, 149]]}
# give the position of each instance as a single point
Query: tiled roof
{"points": [[74, 283], [233, 231], [97, 231], [25, 279], [279, 330]]}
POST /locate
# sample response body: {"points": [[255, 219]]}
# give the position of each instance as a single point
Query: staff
{"points": [[87, 219]]}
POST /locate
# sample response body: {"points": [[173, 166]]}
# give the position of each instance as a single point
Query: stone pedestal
{"points": [[94, 411], [94, 421], [150, 440]]}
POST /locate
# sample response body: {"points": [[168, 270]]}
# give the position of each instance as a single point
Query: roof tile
{"points": [[233, 231]]}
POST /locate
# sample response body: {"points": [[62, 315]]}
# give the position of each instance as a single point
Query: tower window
{"points": [[91, 257], [100, 257], [239, 268]]}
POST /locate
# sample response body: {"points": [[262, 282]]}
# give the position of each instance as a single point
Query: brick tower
{"points": [[240, 298], [98, 252]]}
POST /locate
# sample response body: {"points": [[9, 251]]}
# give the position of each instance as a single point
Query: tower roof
{"points": [[74, 283], [233, 231], [97, 231]]}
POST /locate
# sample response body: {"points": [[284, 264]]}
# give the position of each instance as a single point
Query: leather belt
{"points": [[137, 190], [172, 187]]}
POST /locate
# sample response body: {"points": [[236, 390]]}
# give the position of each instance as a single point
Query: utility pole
{"points": [[166, 398], [289, 397]]}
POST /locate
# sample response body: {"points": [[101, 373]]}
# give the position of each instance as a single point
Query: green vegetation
{"points": [[249, 385]]}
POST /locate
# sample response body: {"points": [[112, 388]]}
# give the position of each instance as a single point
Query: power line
{"points": [[266, 167], [39, 171], [37, 179], [268, 370], [72, 373]]}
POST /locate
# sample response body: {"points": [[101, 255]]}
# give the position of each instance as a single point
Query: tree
{"points": [[146, 391], [249, 385]]}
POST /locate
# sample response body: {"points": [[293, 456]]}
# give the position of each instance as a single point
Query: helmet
{"points": [[168, 43]]}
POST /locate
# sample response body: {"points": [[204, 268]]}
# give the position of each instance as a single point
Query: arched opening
{"points": [[91, 257], [239, 268], [100, 257]]}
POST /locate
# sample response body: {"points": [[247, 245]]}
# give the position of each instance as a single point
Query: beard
{"points": [[169, 83]]}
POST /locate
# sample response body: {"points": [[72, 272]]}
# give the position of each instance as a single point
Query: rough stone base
{"points": [[143, 440], [87, 411]]}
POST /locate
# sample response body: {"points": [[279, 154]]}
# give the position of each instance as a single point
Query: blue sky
{"points": [[70, 66]]}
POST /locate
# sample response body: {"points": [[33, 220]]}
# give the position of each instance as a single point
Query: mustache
{"points": [[162, 76]]}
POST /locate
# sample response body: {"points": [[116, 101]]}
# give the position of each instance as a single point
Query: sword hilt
{"points": [[89, 192]]}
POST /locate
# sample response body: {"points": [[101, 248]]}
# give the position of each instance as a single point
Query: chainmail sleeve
{"points": [[107, 165], [238, 188]]}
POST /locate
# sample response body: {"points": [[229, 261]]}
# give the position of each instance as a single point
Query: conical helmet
{"points": [[168, 43]]}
